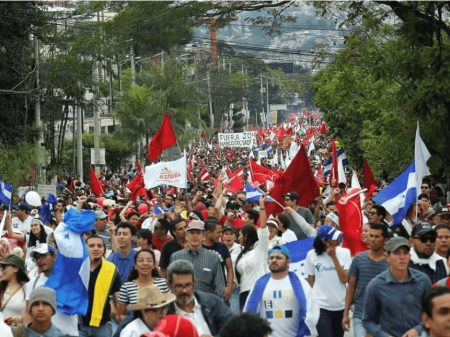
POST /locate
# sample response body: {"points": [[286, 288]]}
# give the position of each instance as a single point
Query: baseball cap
{"points": [[421, 229], [23, 207], [327, 232], [229, 228], [280, 249], [100, 215], [291, 195], [395, 243], [43, 294], [196, 225], [42, 249]]}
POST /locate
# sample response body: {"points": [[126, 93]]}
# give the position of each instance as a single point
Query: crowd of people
{"points": [[207, 261]]}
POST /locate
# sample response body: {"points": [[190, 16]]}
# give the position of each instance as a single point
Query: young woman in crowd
{"points": [[251, 262], [144, 274], [327, 268], [229, 239], [12, 292]]}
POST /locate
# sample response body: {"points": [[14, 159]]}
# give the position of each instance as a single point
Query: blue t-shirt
{"points": [[124, 264], [364, 269]]}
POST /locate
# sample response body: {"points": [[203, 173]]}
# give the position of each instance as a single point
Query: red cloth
{"points": [[96, 185], [137, 188], [351, 221], [164, 138], [369, 180], [299, 178], [158, 243]]}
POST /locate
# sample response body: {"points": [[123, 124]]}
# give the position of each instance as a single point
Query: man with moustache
{"points": [[281, 297], [206, 310]]}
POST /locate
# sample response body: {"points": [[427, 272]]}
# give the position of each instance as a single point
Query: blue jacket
{"points": [[215, 312]]}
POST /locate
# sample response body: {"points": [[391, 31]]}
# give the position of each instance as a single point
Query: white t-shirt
{"points": [[328, 290], [67, 324], [23, 226], [280, 307], [134, 329], [289, 236]]}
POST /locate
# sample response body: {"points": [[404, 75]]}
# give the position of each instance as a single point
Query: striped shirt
{"points": [[207, 269], [128, 290], [364, 269]]}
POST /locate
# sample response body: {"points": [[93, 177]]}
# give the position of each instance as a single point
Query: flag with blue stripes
{"points": [[71, 271], [327, 164], [400, 194], [252, 194], [159, 211], [5, 192]]}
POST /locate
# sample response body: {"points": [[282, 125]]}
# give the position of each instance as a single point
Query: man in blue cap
{"points": [[281, 297]]}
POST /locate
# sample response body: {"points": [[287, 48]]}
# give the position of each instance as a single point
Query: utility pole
{"points": [[133, 81], [96, 79], [267, 101], [211, 113], [133, 68], [37, 117], [262, 100], [79, 143]]}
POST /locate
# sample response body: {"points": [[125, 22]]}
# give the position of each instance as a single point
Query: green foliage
{"points": [[387, 78], [16, 164]]}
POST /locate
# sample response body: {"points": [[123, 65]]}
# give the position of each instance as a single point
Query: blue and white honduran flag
{"points": [[299, 249], [45, 212], [160, 211], [70, 273], [252, 194], [342, 158], [400, 194], [5, 192]]}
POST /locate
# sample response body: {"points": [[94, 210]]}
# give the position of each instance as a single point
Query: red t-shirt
{"points": [[158, 243]]}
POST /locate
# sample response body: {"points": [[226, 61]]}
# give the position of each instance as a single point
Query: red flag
{"points": [[369, 180], [351, 221], [204, 175], [96, 185], [299, 178], [261, 173], [137, 187], [239, 172], [164, 138], [235, 185]]}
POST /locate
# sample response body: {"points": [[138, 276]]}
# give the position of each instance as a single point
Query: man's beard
{"points": [[185, 300]]}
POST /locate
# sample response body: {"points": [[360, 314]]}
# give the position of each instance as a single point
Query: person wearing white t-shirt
{"points": [[22, 221], [281, 297], [327, 268]]}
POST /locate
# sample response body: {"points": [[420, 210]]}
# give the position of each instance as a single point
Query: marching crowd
{"points": [[207, 261]]}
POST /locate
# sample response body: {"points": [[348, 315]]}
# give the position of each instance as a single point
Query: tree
{"points": [[391, 73]]}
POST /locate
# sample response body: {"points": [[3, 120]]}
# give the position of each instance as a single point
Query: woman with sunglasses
{"points": [[12, 292], [150, 307], [143, 274]]}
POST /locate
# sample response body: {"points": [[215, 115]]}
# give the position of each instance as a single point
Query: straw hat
{"points": [[151, 298]]}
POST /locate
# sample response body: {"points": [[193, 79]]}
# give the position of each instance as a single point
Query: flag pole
{"points": [[271, 198]]}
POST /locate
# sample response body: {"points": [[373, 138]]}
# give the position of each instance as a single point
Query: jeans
{"points": [[242, 299], [89, 331], [329, 324], [234, 301], [358, 328]]}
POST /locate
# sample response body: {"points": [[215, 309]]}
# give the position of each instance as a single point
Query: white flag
{"points": [[421, 156], [166, 173]]}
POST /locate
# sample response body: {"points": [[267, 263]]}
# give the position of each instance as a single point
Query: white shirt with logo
{"points": [[328, 290]]}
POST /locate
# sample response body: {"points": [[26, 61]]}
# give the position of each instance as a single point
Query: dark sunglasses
{"points": [[425, 239]]}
